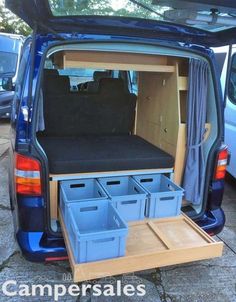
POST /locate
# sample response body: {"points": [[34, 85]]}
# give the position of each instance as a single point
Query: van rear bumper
{"points": [[213, 221], [33, 248], [38, 247]]}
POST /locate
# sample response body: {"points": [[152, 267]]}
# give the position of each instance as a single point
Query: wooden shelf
{"points": [[113, 61], [150, 244], [59, 177]]}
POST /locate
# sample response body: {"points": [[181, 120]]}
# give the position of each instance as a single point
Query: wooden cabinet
{"points": [[161, 106]]}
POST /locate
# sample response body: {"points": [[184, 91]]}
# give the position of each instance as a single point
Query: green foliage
{"points": [[104, 7], [9, 23]]}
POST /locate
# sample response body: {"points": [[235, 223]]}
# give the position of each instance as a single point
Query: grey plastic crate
{"points": [[164, 196], [72, 191], [126, 195], [96, 231]]}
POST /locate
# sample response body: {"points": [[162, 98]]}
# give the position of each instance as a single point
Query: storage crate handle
{"points": [[104, 240], [167, 198], [89, 209], [114, 182], [73, 186], [146, 180], [129, 202]]}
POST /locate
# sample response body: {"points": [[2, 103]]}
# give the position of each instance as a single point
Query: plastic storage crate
{"points": [[96, 231], [78, 191], [165, 197], [126, 195]]}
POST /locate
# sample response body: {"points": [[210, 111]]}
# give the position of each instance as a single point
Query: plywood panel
{"points": [[183, 83], [150, 244], [54, 199], [180, 154], [158, 114], [116, 61], [57, 177]]}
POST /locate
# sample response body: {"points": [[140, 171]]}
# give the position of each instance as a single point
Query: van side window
{"points": [[220, 59], [134, 81], [232, 81]]}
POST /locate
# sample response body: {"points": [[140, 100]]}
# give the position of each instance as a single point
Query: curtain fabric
{"points": [[194, 174]]}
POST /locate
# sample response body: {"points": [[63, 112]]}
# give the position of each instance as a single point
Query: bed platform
{"points": [[67, 155]]}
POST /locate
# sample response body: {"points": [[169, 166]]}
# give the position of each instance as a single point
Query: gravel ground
{"points": [[211, 280]]}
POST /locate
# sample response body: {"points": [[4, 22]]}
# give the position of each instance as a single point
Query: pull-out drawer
{"points": [[151, 243]]}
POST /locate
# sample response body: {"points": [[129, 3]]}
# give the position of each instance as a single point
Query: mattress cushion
{"points": [[102, 153]]}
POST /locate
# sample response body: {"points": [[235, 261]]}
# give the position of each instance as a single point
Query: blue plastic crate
{"points": [[165, 197], [96, 231], [126, 195], [79, 190]]}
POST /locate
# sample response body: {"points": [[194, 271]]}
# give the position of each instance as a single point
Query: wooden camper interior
{"points": [[160, 117]]}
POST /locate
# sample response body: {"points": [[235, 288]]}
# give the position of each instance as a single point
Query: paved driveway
{"points": [[211, 280]]}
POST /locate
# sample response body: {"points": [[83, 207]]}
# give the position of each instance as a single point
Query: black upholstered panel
{"points": [[102, 153], [51, 72], [55, 85], [111, 111]]}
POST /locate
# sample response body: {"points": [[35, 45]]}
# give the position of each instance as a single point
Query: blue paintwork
{"points": [[212, 221], [32, 231], [38, 12], [33, 249]]}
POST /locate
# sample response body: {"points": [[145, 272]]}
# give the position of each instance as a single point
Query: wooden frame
{"points": [[151, 244], [164, 83], [53, 191], [113, 61], [58, 177]]}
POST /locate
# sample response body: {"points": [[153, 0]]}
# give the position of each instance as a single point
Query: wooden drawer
{"points": [[150, 244]]}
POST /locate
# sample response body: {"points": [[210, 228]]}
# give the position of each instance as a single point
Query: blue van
{"points": [[10, 53], [112, 89]]}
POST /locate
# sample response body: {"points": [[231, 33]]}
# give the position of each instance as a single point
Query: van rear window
{"points": [[220, 59], [78, 76]]}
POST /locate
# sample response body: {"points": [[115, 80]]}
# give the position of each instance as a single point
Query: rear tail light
{"points": [[222, 162], [27, 175]]}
